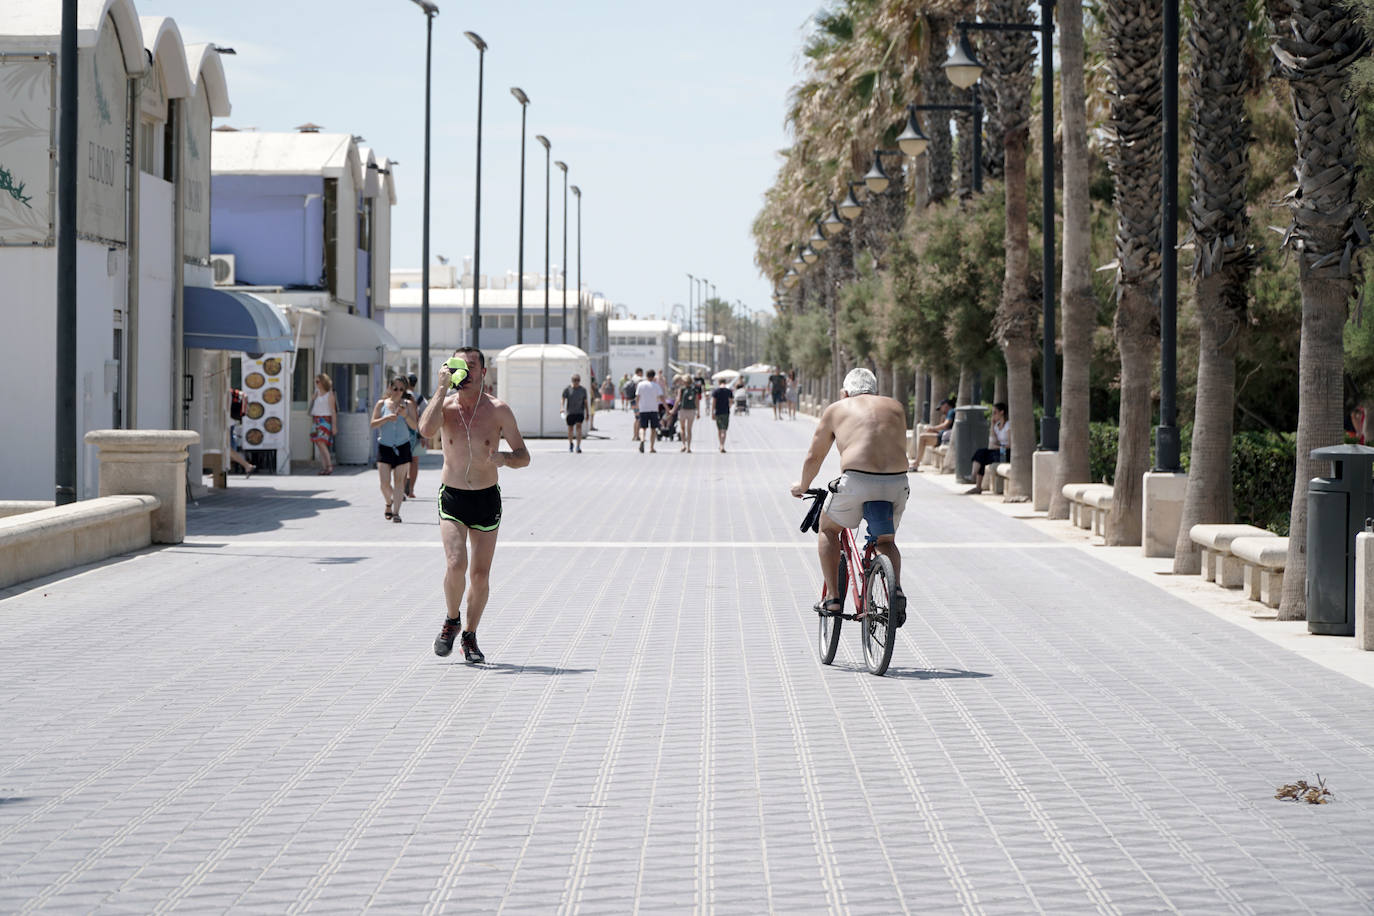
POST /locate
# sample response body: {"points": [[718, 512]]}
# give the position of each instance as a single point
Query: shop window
{"points": [[303, 379], [147, 147]]}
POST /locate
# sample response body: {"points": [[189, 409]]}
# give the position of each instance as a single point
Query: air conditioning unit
{"points": [[223, 267]]}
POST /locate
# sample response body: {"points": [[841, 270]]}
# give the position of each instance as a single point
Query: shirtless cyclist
{"points": [[472, 423], [870, 433]]}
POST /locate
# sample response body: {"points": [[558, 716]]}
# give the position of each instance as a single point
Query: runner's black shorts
{"points": [[648, 420], [575, 418], [476, 509], [394, 455]]}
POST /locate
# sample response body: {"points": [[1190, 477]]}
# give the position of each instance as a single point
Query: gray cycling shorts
{"points": [[849, 492]]}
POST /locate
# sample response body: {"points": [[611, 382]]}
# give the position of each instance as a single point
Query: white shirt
{"points": [[648, 393], [1003, 433]]}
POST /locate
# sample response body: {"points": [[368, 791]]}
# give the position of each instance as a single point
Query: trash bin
{"points": [[1337, 507], [970, 433]]}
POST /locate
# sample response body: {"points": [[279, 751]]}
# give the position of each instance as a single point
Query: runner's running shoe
{"points": [[470, 651], [443, 643]]}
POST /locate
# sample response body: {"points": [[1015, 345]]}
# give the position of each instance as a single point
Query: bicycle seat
{"points": [[878, 516]]}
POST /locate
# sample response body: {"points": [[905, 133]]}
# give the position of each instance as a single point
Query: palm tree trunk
{"points": [[1220, 169], [939, 158], [1134, 52], [965, 395], [939, 390], [999, 389], [1079, 303], [1208, 498], [1316, 42]]}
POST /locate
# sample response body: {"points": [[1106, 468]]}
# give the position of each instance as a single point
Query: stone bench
{"points": [[1218, 565], [1000, 476], [49, 540], [1264, 559], [1080, 510], [1099, 502]]}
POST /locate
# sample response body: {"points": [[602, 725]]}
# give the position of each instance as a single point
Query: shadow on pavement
{"points": [[934, 674], [501, 668], [254, 510]]}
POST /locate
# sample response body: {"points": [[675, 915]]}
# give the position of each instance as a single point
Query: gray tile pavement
{"points": [[255, 721]]}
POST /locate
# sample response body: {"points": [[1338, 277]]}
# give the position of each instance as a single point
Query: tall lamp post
{"points": [[563, 167], [913, 142], [430, 12], [701, 307], [64, 446], [963, 70], [1166, 434], [477, 208], [710, 304], [691, 305], [544, 142], [524, 101], [577, 192]]}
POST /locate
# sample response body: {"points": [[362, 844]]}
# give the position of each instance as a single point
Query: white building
{"points": [[143, 227], [639, 343]]}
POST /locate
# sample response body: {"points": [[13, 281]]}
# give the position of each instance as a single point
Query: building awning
{"points": [[220, 319], [355, 339]]}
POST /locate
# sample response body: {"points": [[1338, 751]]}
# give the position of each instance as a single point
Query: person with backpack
{"points": [[238, 403]]}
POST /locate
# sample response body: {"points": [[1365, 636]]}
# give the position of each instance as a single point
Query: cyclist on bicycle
{"points": [[870, 433]]}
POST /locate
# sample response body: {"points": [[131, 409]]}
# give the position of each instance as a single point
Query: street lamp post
{"points": [[563, 167], [963, 69], [577, 192], [477, 208], [691, 306], [711, 304], [524, 101], [430, 12], [65, 448], [701, 304], [912, 139], [544, 142], [1166, 434]]}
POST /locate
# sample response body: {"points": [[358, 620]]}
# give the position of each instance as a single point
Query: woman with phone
{"points": [[393, 418]]}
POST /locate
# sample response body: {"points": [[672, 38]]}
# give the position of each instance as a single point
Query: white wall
{"points": [[155, 291]]}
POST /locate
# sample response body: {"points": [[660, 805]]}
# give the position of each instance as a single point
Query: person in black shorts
{"points": [[575, 403], [471, 425], [394, 418], [720, 409]]}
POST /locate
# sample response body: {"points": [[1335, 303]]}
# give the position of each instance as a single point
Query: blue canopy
{"points": [[219, 319]]}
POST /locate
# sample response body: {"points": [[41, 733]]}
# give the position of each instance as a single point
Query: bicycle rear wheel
{"points": [[828, 637], [879, 632]]}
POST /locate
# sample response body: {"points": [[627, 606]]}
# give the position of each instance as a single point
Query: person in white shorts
{"points": [[869, 431]]}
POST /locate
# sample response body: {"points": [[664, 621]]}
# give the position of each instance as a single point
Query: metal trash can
{"points": [[1337, 507], [970, 433]]}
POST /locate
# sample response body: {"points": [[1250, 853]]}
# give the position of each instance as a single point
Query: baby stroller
{"points": [[741, 400], [667, 422]]}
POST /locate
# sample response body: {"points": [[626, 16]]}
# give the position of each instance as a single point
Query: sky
{"points": [[669, 116]]}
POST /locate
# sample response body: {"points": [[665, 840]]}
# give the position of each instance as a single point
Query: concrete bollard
{"points": [[1161, 511], [1044, 465], [148, 462], [1364, 591]]}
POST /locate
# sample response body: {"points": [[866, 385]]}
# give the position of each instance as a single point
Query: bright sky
{"points": [[670, 122]]}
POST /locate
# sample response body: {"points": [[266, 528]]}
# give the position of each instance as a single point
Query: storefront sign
{"points": [[266, 384], [195, 178], [27, 106], [102, 139]]}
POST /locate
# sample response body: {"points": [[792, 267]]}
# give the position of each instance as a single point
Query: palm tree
{"points": [[1220, 131], [1316, 42], [1079, 303], [1011, 58], [1134, 52]]}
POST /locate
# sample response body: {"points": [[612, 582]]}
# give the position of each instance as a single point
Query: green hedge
{"points": [[1262, 469]]}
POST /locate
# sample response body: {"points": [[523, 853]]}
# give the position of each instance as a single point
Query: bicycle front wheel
{"points": [[879, 631], [828, 637]]}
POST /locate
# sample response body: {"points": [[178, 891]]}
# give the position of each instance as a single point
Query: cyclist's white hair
{"points": [[860, 381]]}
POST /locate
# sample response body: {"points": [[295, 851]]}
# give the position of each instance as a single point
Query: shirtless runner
{"points": [[473, 424], [870, 433]]}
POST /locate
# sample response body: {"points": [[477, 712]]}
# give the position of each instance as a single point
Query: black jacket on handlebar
{"points": [[812, 522]]}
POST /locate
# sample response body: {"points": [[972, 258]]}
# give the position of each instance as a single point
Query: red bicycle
{"points": [[867, 583]]}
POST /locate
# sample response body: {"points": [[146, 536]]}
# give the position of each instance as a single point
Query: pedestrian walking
{"points": [[632, 398], [471, 424], [417, 442], [648, 398], [608, 395], [324, 417], [591, 402], [575, 402], [688, 407], [792, 394], [777, 386], [720, 409], [237, 405], [394, 417]]}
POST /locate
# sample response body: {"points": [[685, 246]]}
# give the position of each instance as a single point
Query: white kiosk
{"points": [[531, 378]]}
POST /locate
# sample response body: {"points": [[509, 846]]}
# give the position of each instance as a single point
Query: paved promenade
{"points": [[255, 721]]}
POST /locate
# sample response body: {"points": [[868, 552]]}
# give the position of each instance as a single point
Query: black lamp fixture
{"points": [[548, 172], [833, 224], [912, 140], [524, 101], [818, 240], [963, 67], [809, 254], [850, 207], [877, 180], [481, 47]]}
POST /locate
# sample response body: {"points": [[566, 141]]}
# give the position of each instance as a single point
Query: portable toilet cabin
{"points": [[531, 378]]}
